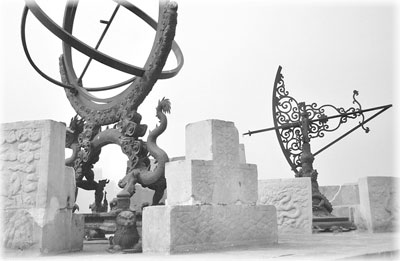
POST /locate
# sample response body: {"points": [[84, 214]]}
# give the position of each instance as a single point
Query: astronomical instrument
{"points": [[85, 135]]}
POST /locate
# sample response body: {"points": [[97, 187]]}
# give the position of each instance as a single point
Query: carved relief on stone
{"points": [[19, 155], [18, 229], [292, 200]]}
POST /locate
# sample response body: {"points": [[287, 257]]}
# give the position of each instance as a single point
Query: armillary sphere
{"points": [[138, 89], [296, 123], [84, 135]]}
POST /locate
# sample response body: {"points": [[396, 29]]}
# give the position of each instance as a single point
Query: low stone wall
{"points": [[346, 194], [372, 203]]}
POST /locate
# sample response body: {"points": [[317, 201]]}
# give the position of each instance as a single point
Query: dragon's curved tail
{"points": [[149, 177]]}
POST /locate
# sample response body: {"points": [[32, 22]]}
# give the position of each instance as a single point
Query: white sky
{"points": [[232, 50]]}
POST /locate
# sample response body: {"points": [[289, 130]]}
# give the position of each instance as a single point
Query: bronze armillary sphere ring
{"points": [[65, 34]]}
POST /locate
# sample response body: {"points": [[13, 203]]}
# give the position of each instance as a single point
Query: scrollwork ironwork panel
{"points": [[287, 113]]}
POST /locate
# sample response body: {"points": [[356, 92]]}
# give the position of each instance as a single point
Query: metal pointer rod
{"points": [[296, 124], [353, 129], [100, 40]]}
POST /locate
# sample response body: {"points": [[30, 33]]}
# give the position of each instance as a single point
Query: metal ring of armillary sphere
{"points": [[108, 110], [85, 136]]}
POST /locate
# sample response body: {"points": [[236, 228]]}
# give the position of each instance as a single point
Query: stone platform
{"points": [[322, 246], [192, 228]]}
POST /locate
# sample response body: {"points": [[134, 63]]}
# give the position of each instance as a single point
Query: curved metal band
{"points": [[91, 52], [52, 80], [68, 23], [150, 21], [27, 54], [88, 107], [278, 79]]}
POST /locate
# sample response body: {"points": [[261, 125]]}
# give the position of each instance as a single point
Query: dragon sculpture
{"points": [[142, 174], [138, 152], [114, 120]]}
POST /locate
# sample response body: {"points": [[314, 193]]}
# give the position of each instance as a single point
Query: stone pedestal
{"points": [[212, 197], [38, 191], [379, 203], [292, 199]]}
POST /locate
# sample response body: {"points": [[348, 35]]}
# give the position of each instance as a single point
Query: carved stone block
{"points": [[292, 199], [207, 182], [176, 229], [379, 203], [214, 170], [212, 140], [38, 190]]}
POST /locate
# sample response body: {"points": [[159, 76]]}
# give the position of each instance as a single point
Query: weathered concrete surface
{"points": [[38, 191], [176, 229], [379, 203], [292, 199]]}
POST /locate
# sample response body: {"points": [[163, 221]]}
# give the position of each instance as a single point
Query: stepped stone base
{"points": [[177, 229], [195, 182]]}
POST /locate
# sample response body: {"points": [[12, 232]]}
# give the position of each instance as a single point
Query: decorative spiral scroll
{"points": [[319, 122], [287, 120], [286, 111]]}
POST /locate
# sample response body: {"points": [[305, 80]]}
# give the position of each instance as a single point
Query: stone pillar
{"points": [[212, 195], [379, 206], [38, 191]]}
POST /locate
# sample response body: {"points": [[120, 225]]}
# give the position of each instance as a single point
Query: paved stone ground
{"points": [[322, 246]]}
